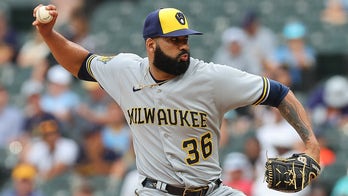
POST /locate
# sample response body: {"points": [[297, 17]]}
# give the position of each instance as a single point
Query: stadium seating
{"points": [[117, 25]]}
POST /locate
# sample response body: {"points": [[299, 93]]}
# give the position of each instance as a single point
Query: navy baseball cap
{"points": [[167, 22]]}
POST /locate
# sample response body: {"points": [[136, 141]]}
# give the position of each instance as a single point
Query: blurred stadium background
{"points": [[118, 24], [117, 27]]}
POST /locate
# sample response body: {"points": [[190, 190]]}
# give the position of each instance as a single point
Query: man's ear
{"points": [[150, 44]]}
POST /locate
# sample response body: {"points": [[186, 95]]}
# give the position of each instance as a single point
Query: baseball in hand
{"points": [[43, 15]]}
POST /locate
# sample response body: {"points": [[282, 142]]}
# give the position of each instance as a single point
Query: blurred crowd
{"points": [[62, 136]]}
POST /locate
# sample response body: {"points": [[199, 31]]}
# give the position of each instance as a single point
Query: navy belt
{"points": [[173, 190]]}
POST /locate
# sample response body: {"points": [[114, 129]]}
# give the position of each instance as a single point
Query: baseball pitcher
{"points": [[174, 104]]}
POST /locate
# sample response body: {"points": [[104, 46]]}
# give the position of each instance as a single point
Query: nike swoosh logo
{"points": [[136, 89]]}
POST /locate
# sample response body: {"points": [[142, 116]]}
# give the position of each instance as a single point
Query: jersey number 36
{"points": [[196, 148]]}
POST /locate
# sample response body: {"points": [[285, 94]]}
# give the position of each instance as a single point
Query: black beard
{"points": [[169, 65]]}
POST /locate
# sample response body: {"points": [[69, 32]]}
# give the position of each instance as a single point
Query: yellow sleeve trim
{"points": [[265, 91], [88, 64]]}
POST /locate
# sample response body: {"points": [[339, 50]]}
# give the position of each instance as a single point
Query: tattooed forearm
{"points": [[292, 110]]}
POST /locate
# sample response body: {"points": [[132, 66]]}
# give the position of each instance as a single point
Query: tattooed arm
{"points": [[293, 111]]}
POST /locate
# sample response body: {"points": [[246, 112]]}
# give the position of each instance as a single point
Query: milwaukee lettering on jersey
{"points": [[167, 116]]}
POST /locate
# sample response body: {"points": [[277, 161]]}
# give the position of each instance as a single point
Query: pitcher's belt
{"points": [[173, 190]]}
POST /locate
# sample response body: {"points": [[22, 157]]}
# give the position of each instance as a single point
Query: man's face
{"points": [[235, 48], [172, 65], [24, 186]]}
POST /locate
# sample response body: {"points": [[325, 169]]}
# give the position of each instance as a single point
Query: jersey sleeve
{"points": [[235, 88], [100, 67], [84, 73], [112, 72], [105, 71], [277, 92]]}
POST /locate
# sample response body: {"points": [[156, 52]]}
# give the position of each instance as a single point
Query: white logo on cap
{"points": [[180, 17]]}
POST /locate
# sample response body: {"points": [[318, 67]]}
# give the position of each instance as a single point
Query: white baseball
{"points": [[43, 15]]}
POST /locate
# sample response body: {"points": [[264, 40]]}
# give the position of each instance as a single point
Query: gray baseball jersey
{"points": [[175, 125]]}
